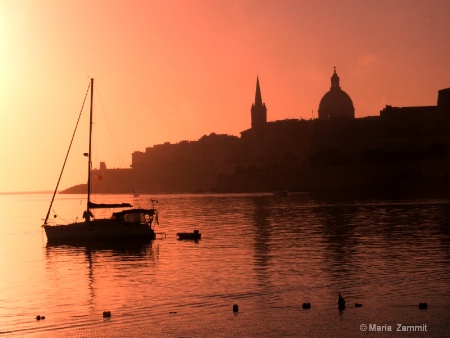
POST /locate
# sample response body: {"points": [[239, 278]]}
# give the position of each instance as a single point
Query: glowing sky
{"points": [[172, 70]]}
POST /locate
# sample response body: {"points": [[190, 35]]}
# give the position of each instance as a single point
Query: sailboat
{"points": [[126, 224]]}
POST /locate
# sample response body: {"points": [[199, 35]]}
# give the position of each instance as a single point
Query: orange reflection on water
{"points": [[267, 255]]}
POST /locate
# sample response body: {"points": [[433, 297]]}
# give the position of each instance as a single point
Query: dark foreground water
{"points": [[267, 254]]}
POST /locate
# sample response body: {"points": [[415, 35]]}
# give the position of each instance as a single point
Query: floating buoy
{"points": [[235, 308], [423, 306], [42, 317], [106, 314], [358, 305], [306, 305]]}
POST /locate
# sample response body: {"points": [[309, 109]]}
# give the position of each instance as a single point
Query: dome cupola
{"points": [[336, 103]]}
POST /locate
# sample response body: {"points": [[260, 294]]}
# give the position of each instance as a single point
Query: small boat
{"points": [[280, 193], [130, 223], [189, 235]]}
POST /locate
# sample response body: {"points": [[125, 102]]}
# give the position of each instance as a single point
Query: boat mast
{"points": [[65, 160], [89, 154]]}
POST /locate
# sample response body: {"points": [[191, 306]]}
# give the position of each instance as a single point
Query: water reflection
{"points": [[338, 226], [262, 231], [120, 248], [355, 247], [267, 254], [100, 272]]}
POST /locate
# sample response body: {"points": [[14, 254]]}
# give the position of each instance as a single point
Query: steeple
{"points": [[258, 98], [258, 110]]}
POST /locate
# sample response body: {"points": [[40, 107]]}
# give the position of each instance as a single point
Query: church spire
{"points": [[258, 98], [259, 110]]}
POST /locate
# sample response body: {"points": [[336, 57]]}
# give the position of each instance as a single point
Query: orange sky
{"points": [[172, 70]]}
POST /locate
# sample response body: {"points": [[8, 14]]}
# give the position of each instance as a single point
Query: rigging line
{"points": [[114, 141], [109, 125], [67, 155]]}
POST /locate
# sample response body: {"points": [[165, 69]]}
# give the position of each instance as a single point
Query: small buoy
{"points": [[42, 317], [38, 317], [235, 308], [106, 314], [358, 305], [423, 306], [306, 305]]}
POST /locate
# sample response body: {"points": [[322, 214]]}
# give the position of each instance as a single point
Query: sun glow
{"points": [[169, 71]]}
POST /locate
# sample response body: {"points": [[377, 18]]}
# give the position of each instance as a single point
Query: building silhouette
{"points": [[258, 110], [336, 103], [404, 149]]}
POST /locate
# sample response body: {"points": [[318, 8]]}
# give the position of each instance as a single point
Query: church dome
{"points": [[336, 103]]}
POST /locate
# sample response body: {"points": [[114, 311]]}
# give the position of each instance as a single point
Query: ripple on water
{"points": [[268, 255]]}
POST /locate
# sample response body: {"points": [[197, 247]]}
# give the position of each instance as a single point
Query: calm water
{"points": [[267, 254]]}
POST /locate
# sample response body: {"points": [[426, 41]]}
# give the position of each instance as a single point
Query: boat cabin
{"points": [[140, 216]]}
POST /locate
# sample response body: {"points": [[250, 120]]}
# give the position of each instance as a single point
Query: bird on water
{"points": [[341, 302]]}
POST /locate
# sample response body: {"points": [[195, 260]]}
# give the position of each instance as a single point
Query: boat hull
{"points": [[99, 229]]}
